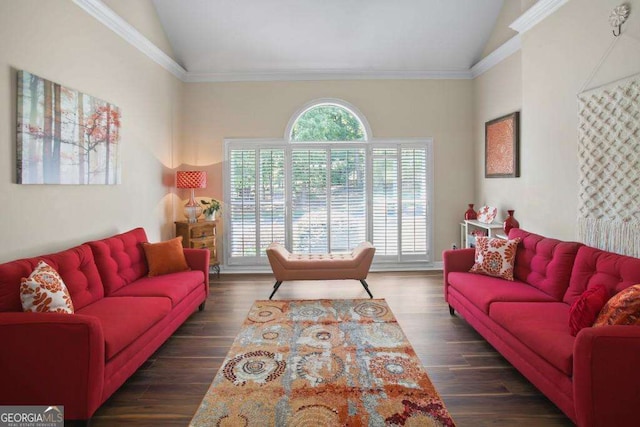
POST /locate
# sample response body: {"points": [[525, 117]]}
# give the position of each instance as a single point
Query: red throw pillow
{"points": [[622, 309], [165, 257], [586, 308]]}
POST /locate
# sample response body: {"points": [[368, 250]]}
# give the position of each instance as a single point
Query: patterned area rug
{"points": [[321, 363]]}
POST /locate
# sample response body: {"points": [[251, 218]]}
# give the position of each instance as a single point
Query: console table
{"points": [[467, 238]]}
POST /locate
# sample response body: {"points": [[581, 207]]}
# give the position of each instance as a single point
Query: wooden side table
{"points": [[200, 235]]}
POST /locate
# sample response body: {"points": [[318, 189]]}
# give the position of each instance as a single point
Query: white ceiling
{"points": [[251, 37]]}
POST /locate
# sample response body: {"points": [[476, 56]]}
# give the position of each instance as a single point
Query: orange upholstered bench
{"points": [[288, 266]]}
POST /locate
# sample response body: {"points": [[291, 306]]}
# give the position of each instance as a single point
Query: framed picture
{"points": [[502, 147], [65, 136]]}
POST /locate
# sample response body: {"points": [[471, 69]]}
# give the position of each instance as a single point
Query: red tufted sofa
{"points": [[594, 377], [121, 318]]}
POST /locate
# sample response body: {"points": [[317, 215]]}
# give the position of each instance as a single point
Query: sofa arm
{"points": [[198, 259], [456, 260], [52, 359], [606, 376]]}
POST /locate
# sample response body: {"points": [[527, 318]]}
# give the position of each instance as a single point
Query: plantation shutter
{"points": [[414, 201], [319, 198], [309, 201], [348, 214], [272, 198], [385, 200], [242, 202]]}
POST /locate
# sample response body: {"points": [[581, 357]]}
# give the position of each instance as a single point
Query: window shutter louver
{"points": [[272, 198], [414, 201], [385, 200], [243, 202]]}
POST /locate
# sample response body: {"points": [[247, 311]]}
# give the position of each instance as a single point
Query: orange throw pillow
{"points": [[622, 309], [165, 257], [495, 257]]}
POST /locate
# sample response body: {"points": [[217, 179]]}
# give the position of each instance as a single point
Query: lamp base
{"points": [[192, 213], [192, 210]]}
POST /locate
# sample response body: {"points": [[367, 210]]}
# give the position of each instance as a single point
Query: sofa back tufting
{"points": [[597, 267], [543, 262], [76, 266], [120, 259]]}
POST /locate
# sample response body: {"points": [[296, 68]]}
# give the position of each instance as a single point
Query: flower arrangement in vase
{"points": [[210, 208]]}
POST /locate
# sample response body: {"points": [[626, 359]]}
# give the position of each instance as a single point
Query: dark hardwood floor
{"points": [[477, 385]]}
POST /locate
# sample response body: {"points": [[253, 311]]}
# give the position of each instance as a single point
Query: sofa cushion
{"points": [[597, 267], [165, 257], [542, 327], [622, 309], [120, 259], [482, 291], [45, 291], [76, 266], [124, 319], [544, 263], [174, 286]]}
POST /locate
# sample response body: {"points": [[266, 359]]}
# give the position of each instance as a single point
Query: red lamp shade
{"points": [[191, 179]]}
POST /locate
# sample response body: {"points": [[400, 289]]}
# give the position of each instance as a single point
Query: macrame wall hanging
{"points": [[609, 158], [609, 162]]}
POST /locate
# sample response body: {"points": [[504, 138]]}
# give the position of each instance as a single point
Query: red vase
{"points": [[470, 213], [510, 222]]}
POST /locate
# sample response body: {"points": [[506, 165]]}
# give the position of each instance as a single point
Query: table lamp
{"points": [[191, 180]]}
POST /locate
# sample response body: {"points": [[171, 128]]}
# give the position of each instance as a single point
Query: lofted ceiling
{"points": [[220, 39]]}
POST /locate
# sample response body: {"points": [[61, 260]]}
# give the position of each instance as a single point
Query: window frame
{"points": [[381, 262]]}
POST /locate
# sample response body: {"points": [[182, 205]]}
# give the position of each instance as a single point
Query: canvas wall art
{"points": [[65, 136], [502, 147]]}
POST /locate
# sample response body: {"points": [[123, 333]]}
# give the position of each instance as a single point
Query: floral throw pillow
{"points": [[622, 309], [44, 291], [495, 257]]}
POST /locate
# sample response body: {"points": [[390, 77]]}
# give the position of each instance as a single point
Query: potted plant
{"points": [[210, 208]]}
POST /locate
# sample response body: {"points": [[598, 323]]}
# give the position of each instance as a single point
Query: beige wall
{"points": [[441, 109], [557, 59], [57, 40], [511, 10], [142, 15], [496, 93]]}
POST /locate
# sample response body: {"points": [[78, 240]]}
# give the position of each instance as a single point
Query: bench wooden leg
{"points": [[452, 311], [366, 287], [275, 288]]}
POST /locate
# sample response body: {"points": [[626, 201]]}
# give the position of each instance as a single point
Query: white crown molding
{"points": [[535, 14], [115, 23], [497, 56], [193, 77]]}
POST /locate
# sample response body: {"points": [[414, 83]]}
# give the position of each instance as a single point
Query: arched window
{"points": [[327, 121], [326, 187]]}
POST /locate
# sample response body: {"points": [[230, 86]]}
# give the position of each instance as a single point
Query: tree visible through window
{"points": [[328, 122], [327, 189]]}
